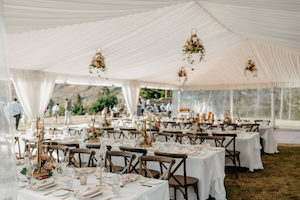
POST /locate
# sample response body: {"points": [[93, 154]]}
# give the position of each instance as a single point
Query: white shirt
{"points": [[16, 108], [55, 109], [116, 109], [169, 107]]}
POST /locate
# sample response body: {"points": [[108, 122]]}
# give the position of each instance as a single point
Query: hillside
{"points": [[87, 92]]}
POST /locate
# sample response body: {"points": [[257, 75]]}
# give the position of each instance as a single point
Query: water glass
{"points": [[116, 181]]}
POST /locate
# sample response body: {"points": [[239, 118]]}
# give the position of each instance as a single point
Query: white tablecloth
{"points": [[209, 169], [132, 191], [249, 147], [269, 141], [248, 144]]}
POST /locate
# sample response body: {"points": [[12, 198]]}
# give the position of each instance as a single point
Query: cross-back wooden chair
{"points": [[190, 137], [78, 163], [180, 182], [135, 163], [128, 130], [69, 145], [55, 131], [166, 135], [233, 125], [233, 155], [254, 128], [128, 158], [218, 140], [30, 146], [73, 131], [115, 134], [96, 147], [57, 149], [165, 164], [246, 126], [134, 133]]}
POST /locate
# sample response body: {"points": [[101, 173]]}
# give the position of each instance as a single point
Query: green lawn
{"points": [[280, 179]]}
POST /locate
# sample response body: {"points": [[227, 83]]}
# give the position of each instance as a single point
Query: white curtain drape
{"points": [[34, 89], [131, 91], [8, 183]]}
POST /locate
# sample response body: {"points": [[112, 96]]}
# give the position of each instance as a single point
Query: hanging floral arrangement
{"points": [[182, 75], [193, 46], [251, 68], [97, 65]]}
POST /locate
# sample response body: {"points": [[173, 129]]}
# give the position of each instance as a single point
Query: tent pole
{"points": [[272, 107], [231, 103]]}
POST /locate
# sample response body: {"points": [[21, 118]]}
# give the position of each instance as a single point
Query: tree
{"points": [[51, 103], [105, 100], [153, 93], [78, 108]]}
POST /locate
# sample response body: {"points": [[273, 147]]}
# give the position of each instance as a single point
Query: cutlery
{"points": [[66, 197], [142, 184], [53, 191]]}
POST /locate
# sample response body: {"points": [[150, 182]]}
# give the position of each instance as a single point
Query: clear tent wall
{"points": [[247, 103]]}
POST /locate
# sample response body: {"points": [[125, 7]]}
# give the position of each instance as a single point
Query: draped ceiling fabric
{"points": [[34, 90], [142, 40]]}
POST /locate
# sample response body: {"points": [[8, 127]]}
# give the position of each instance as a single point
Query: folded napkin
{"points": [[193, 153], [83, 171], [87, 192], [130, 178], [42, 184]]}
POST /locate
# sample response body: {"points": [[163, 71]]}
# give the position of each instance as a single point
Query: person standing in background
{"points": [[47, 112], [55, 111], [143, 104], [169, 109], [17, 111], [68, 111]]}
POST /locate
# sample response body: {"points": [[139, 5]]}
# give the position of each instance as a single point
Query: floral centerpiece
{"points": [[147, 140], [47, 166], [97, 65], [93, 135], [250, 67], [193, 46], [227, 118]]}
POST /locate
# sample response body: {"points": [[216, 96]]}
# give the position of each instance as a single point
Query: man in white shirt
{"points": [[116, 111], [169, 109], [55, 111], [16, 111]]}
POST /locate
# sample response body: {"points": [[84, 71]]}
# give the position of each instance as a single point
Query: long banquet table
{"points": [[132, 191], [208, 167]]}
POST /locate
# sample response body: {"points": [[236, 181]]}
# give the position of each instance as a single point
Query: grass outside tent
{"points": [[280, 179]]}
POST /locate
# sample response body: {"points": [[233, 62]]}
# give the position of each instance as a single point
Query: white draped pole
{"points": [[272, 107], [8, 181], [131, 90], [34, 90], [231, 103]]}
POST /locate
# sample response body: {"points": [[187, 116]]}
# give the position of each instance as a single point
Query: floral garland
{"points": [[182, 75], [250, 66], [97, 65], [193, 46]]}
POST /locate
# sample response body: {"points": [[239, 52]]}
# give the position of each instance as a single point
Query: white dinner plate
{"points": [[60, 193]]}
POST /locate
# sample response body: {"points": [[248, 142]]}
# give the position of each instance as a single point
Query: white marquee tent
{"points": [[52, 41]]}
